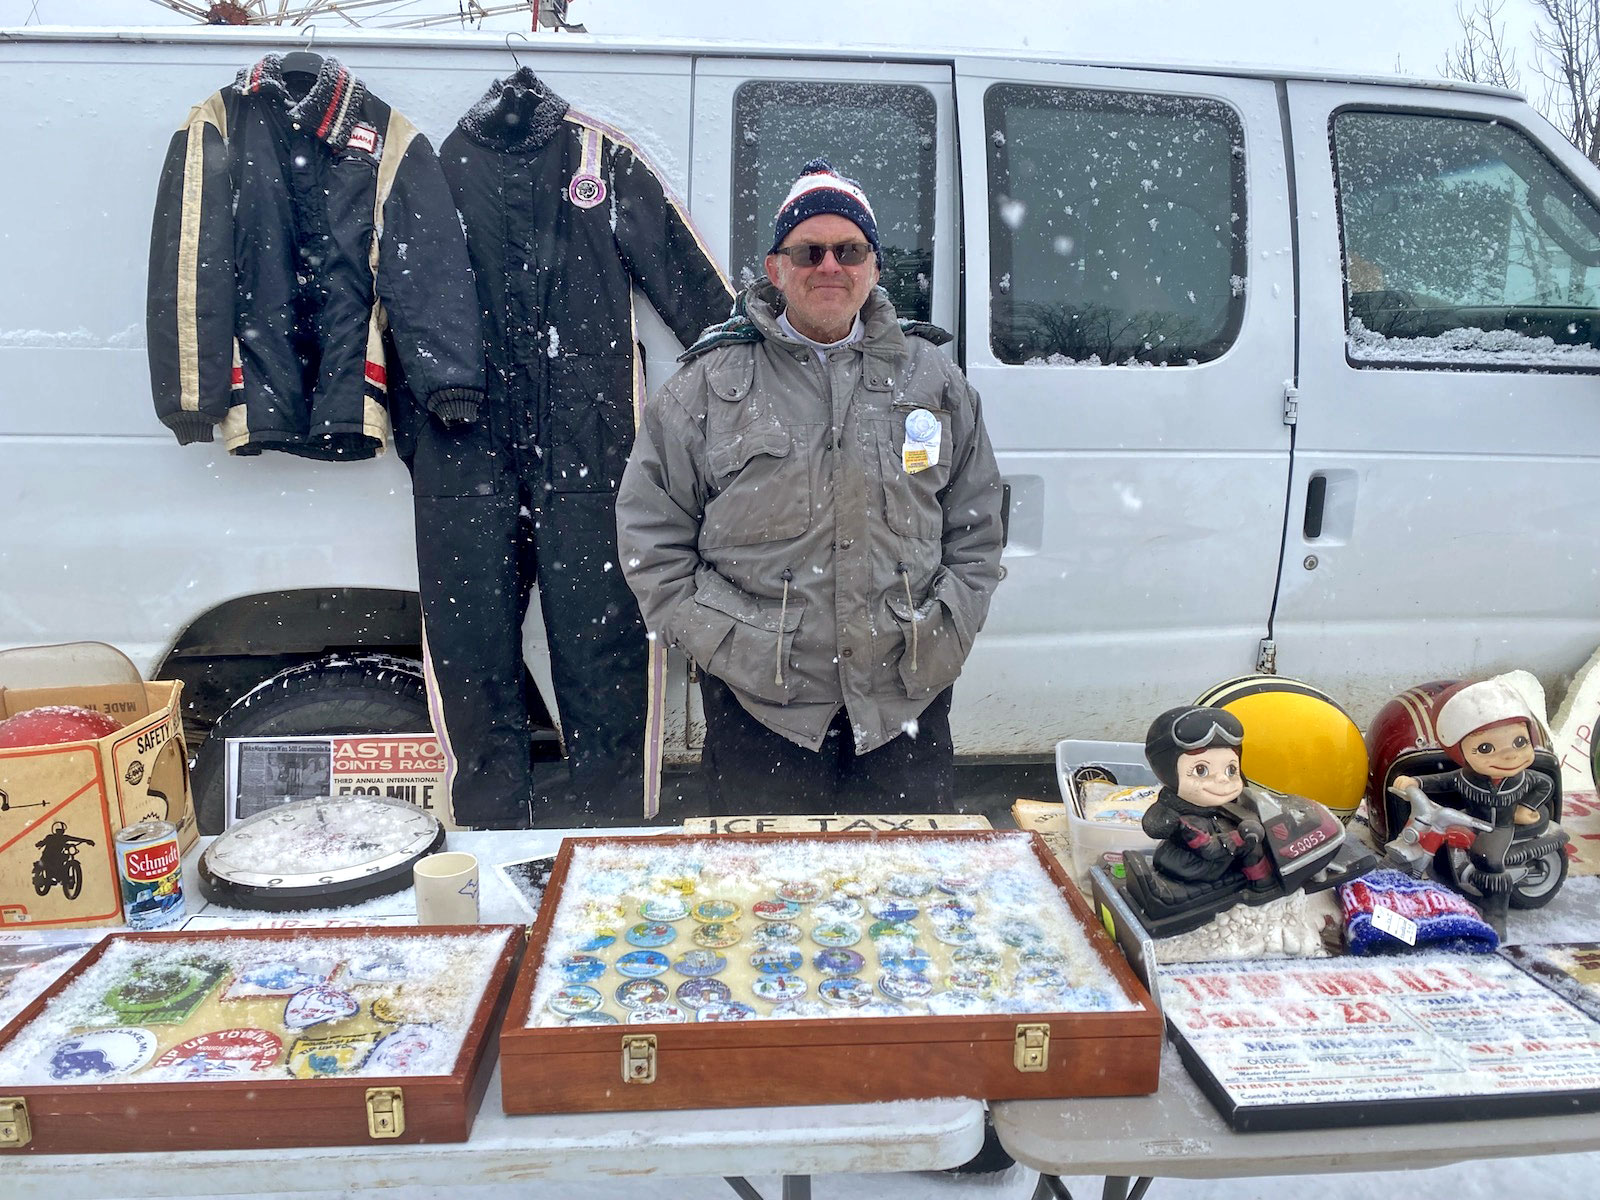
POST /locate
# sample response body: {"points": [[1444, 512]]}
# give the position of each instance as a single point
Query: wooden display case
{"points": [[793, 1058], [190, 1103]]}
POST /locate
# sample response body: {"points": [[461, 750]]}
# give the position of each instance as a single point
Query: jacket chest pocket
{"points": [[762, 474], [912, 480]]}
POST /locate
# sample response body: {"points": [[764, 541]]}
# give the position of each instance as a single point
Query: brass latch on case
{"points": [[15, 1132], [1033, 1048], [386, 1112], [639, 1058]]}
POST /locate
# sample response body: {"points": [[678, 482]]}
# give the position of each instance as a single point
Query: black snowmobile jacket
{"points": [[306, 255], [564, 217]]}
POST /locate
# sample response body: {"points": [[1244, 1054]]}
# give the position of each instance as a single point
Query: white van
{"points": [[1287, 373]]}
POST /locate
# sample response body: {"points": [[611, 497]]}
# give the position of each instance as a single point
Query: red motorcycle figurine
{"points": [[1429, 829], [1517, 855]]}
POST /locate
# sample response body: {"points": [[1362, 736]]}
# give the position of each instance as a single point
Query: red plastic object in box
{"points": [[54, 724]]}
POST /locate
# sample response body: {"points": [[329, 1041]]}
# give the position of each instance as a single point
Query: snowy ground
{"points": [[1559, 1177]]}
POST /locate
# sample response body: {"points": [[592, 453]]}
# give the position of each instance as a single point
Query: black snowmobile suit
{"points": [[305, 254], [564, 218]]}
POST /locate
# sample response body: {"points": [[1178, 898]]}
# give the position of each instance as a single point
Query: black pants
{"points": [[488, 531], [750, 769]]}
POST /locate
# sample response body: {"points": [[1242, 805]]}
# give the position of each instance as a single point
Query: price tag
{"points": [[1396, 926]]}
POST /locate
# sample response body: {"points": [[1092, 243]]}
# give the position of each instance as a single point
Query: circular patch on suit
{"points": [[586, 190]]}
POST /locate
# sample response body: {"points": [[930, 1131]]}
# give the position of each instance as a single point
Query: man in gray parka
{"points": [[812, 514]]}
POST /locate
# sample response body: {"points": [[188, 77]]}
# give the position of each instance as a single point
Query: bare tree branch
{"points": [[1482, 55], [1568, 39]]}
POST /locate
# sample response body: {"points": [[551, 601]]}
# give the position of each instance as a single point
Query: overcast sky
{"points": [[1343, 35]]}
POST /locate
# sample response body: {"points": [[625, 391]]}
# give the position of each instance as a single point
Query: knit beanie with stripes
{"points": [[821, 189]]}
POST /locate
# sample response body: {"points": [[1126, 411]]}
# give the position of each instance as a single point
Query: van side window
{"points": [[1465, 246], [1116, 226], [881, 135]]}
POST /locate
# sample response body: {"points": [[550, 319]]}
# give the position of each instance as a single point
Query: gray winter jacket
{"points": [[770, 529]]}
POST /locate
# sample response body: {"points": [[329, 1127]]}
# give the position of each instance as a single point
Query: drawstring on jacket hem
{"points": [[783, 619], [905, 578]]}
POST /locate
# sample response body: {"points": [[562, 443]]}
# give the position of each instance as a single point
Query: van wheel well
{"points": [[227, 651]]}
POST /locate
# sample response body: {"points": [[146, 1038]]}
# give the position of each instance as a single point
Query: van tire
{"points": [[340, 693]]}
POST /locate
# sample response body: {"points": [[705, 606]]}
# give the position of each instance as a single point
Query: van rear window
{"points": [[881, 135], [1465, 246], [1116, 226]]}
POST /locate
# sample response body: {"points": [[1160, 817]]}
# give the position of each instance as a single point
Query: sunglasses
{"points": [[811, 254]]}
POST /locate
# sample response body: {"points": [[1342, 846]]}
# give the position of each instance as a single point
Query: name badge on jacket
{"points": [[921, 448]]}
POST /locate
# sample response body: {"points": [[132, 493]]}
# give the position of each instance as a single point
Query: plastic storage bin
{"points": [[1124, 762]]}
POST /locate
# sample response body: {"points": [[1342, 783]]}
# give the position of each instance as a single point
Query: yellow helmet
{"points": [[1296, 739]]}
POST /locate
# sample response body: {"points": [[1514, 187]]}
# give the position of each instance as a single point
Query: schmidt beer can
{"points": [[150, 866]]}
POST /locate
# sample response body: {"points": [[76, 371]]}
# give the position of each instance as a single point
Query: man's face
{"points": [[1499, 751], [822, 301], [1210, 778]]}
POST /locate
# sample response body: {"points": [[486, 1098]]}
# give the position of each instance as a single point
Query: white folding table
{"points": [[547, 1153]]}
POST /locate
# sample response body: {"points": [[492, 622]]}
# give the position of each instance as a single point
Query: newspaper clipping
{"points": [[265, 772]]}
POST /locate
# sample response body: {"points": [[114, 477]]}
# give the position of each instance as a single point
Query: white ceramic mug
{"points": [[447, 889]]}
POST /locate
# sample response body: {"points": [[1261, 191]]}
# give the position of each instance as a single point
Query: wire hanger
{"points": [[509, 36], [304, 62]]}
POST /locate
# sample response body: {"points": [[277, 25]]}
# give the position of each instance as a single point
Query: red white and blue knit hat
{"points": [[821, 189]]}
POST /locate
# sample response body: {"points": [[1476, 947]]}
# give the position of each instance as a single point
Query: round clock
{"points": [[318, 853]]}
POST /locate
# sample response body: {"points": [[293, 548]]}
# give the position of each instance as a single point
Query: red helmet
{"points": [[1403, 739]]}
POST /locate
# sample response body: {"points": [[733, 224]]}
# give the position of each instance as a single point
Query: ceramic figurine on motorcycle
{"points": [[1488, 731], [1194, 752], [1223, 840]]}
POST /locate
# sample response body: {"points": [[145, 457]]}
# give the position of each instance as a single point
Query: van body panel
{"points": [[1148, 500], [1155, 510], [1457, 533]]}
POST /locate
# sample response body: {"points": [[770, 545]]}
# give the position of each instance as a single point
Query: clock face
{"points": [[318, 853]]}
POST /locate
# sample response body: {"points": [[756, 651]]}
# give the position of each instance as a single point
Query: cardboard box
{"points": [[92, 788]]}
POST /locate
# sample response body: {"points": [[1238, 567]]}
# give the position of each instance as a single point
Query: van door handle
{"points": [[1316, 499]]}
